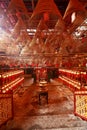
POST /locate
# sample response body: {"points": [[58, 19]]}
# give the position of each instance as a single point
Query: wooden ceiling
{"points": [[31, 4], [20, 34], [61, 4]]}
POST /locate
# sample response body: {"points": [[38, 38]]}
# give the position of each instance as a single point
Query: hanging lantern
{"points": [[18, 14], [46, 16]]}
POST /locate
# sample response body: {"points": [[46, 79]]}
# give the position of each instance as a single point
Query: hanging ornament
{"points": [[46, 16], [18, 14]]}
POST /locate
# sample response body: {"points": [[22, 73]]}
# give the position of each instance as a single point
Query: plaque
{"points": [[6, 104]]}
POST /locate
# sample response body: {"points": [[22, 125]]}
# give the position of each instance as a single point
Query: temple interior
{"points": [[43, 64]]}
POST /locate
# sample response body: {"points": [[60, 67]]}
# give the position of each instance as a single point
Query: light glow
{"points": [[73, 17]]}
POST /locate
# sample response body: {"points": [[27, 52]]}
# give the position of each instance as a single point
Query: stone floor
{"points": [[56, 115]]}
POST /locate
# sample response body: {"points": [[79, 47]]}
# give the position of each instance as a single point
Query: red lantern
{"points": [[46, 16], [18, 14]]}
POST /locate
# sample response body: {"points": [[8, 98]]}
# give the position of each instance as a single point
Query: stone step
{"points": [[53, 122], [74, 128]]}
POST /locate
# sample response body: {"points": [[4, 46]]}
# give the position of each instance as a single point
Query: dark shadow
{"points": [[35, 127], [16, 128]]}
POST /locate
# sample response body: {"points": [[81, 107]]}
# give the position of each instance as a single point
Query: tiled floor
{"points": [[56, 115]]}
